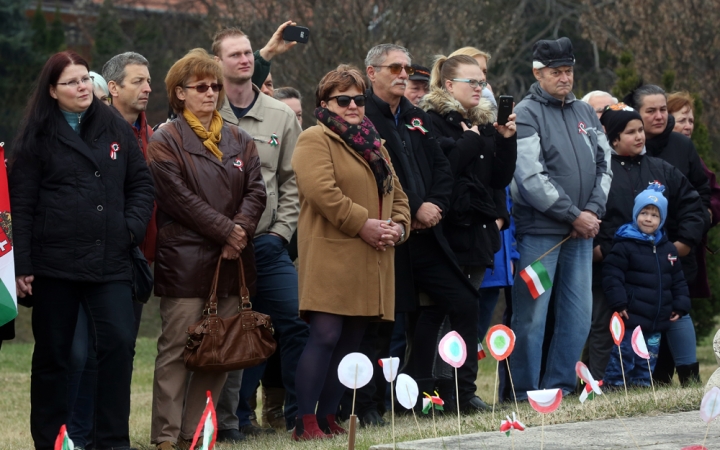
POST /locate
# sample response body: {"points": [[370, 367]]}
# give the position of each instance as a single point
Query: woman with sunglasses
{"points": [[210, 196], [353, 212], [482, 158], [81, 198]]}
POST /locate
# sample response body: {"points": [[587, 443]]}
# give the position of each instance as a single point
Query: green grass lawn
{"points": [[15, 405]]}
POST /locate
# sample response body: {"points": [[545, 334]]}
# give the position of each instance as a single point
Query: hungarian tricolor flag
{"points": [[63, 442], [207, 428], [506, 426], [431, 401], [588, 393], [536, 278], [8, 297], [481, 351]]}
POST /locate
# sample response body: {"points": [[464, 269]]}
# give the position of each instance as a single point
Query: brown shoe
{"points": [[273, 415], [184, 444], [166, 445]]}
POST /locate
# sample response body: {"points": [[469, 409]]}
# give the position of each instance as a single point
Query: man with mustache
{"points": [[560, 188], [426, 263]]}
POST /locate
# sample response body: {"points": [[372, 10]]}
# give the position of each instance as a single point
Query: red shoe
{"points": [[330, 425], [308, 429]]}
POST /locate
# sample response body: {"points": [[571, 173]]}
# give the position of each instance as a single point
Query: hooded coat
{"points": [[563, 163], [483, 165]]}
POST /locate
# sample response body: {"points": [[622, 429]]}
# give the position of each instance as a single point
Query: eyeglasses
{"points": [[202, 88], [343, 101], [397, 68], [473, 83], [75, 83]]}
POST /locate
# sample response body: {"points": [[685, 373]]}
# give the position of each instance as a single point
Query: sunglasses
{"points": [[202, 88], [473, 83], [343, 101], [397, 68]]}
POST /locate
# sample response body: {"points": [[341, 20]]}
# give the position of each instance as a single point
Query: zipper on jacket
{"points": [[657, 260], [79, 118]]}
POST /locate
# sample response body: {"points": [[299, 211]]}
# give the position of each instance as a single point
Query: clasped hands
{"points": [[235, 244], [381, 234], [586, 225]]}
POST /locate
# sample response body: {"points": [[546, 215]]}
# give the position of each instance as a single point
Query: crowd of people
{"points": [[401, 214]]}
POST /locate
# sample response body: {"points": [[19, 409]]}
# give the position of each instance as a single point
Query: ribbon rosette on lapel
{"points": [[239, 164], [416, 124], [114, 148], [274, 141]]}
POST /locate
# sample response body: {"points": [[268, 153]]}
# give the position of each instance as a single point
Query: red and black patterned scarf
{"points": [[365, 140]]}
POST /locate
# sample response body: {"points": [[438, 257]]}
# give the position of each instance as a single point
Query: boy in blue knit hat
{"points": [[643, 281]]}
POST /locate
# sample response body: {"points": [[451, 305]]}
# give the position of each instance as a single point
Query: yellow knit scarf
{"points": [[210, 138]]}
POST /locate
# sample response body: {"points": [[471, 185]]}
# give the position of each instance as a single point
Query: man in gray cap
{"points": [[559, 191]]}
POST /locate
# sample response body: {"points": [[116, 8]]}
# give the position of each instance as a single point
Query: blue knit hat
{"points": [[653, 195]]}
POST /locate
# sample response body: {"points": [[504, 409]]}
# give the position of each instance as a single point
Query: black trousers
{"points": [[111, 320], [436, 275]]}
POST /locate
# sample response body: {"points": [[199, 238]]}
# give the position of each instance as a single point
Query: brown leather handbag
{"points": [[216, 344]]}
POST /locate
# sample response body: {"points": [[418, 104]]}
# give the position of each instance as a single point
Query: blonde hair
{"points": [[471, 52], [197, 63], [445, 68]]}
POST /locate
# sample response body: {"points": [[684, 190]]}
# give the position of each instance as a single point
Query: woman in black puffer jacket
{"points": [[482, 156], [81, 197]]}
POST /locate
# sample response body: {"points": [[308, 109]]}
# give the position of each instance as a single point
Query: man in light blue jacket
{"points": [[559, 189]]}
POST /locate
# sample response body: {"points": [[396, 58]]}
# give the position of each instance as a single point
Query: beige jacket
{"points": [[267, 117], [340, 273]]}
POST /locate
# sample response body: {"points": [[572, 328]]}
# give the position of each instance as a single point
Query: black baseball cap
{"points": [[553, 53], [422, 73]]}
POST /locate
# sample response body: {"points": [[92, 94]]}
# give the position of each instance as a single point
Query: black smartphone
{"points": [[296, 34], [505, 108]]}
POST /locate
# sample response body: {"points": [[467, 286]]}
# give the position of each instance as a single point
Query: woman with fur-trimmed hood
{"points": [[482, 155]]}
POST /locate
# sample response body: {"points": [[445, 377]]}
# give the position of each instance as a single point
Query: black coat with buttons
{"points": [[686, 213], [483, 165], [80, 202]]}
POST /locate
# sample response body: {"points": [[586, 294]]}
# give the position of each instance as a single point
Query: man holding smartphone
{"points": [[561, 183], [275, 130]]}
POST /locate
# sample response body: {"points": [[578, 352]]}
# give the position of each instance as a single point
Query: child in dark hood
{"points": [[643, 281]]}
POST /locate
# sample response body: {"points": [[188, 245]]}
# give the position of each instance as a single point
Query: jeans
{"points": [[277, 296], [637, 372], [573, 309], [681, 340], [110, 313], [81, 383]]}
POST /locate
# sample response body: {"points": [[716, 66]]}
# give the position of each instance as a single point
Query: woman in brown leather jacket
{"points": [[210, 196]]}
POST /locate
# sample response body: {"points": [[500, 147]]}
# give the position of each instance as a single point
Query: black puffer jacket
{"points": [[631, 175], [77, 211], [483, 165], [647, 280]]}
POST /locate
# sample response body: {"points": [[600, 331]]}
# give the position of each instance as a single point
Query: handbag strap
{"points": [[211, 305], [244, 293]]}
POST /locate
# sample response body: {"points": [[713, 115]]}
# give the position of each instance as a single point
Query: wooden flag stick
{"points": [[652, 382], [353, 417], [553, 248], [495, 388], [392, 402], [512, 385], [413, 411], [622, 369], [542, 433], [457, 402]]}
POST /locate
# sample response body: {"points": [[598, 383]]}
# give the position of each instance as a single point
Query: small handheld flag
{"points": [[63, 442], [207, 428], [536, 278]]}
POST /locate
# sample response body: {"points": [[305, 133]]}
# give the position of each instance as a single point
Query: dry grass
{"points": [[15, 406]]}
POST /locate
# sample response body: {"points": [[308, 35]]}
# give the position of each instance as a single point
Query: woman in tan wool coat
{"points": [[352, 213]]}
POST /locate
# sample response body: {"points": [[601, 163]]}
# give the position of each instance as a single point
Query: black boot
{"points": [[689, 375], [664, 366]]}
